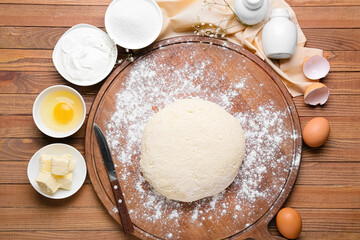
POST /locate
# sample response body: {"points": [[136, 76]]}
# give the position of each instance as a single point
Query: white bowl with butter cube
{"points": [[57, 171]]}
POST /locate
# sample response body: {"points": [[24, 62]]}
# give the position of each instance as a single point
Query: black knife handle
{"points": [[121, 206]]}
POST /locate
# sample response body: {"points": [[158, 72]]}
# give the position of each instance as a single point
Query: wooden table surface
{"points": [[327, 191]]}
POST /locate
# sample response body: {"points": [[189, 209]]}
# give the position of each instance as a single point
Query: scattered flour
{"points": [[146, 90], [115, 210]]}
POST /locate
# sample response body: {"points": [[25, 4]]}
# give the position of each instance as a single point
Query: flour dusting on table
{"points": [[150, 86]]}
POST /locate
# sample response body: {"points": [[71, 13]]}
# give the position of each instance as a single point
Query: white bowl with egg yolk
{"points": [[59, 111]]}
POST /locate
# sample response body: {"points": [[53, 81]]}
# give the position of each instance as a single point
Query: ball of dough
{"points": [[191, 149]]}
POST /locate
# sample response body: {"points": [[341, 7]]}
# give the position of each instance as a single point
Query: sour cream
{"points": [[84, 55]]}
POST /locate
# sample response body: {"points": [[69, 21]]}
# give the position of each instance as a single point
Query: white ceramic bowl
{"points": [[90, 55], [79, 172], [133, 24], [36, 111]]}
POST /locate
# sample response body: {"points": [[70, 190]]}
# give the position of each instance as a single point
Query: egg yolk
{"points": [[63, 113]]}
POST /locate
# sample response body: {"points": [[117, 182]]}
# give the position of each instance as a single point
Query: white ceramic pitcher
{"points": [[279, 35], [251, 12]]}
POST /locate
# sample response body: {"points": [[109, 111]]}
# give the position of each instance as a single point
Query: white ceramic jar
{"points": [[251, 12], [279, 35]]}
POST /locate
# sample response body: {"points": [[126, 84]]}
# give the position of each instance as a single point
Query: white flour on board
{"points": [[145, 88]]}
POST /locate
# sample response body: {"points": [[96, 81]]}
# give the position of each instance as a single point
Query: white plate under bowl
{"points": [[126, 22], [58, 61], [36, 111], [58, 149]]}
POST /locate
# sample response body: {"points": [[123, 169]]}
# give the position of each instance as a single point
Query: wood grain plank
{"points": [[9, 128], [333, 39], [41, 219], [17, 196], [46, 38], [18, 149], [343, 60], [34, 82], [69, 235], [315, 3], [51, 15], [16, 104], [343, 144], [56, 218], [67, 15], [311, 173], [341, 127], [40, 60], [30, 37], [328, 17], [329, 220], [319, 234], [330, 196], [26, 60], [18, 82], [29, 60], [334, 150], [342, 82], [12, 172], [328, 173], [336, 106]]}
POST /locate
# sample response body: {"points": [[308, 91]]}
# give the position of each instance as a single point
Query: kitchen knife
{"points": [[109, 165]]}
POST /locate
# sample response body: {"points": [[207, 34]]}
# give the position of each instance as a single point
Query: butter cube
{"points": [[71, 165], [55, 173], [47, 183], [65, 181], [45, 163], [59, 165]]}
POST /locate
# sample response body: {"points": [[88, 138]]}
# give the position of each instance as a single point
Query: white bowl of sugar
{"points": [[133, 24]]}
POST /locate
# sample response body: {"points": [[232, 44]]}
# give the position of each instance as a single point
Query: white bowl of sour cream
{"points": [[84, 55]]}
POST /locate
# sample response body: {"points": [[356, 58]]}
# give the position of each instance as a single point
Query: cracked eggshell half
{"points": [[84, 55], [316, 67], [316, 93]]}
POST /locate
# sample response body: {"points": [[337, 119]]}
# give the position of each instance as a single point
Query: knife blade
{"points": [[109, 165]]}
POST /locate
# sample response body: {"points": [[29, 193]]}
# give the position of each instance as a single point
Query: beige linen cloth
{"points": [[180, 17]]}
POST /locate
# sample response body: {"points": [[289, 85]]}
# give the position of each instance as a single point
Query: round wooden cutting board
{"points": [[217, 71]]}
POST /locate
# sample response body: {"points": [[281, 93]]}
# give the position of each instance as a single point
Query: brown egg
{"points": [[288, 222], [316, 132]]}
